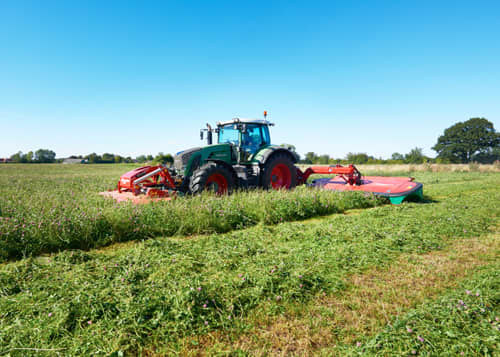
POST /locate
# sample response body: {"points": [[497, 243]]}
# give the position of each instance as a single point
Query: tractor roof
{"points": [[246, 121]]}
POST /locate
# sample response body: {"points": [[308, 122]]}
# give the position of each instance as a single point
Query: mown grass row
{"points": [[463, 322], [152, 293]]}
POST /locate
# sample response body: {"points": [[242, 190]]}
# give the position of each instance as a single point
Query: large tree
{"points": [[462, 141], [45, 156]]}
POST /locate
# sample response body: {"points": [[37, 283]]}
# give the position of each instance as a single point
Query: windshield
{"points": [[229, 134]]}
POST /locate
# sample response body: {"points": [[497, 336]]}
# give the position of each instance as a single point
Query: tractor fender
{"points": [[262, 156], [227, 166]]}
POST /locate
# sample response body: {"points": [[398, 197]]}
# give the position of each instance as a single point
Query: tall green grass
{"points": [[54, 207]]}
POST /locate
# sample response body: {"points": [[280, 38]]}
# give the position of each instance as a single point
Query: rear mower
{"points": [[243, 157]]}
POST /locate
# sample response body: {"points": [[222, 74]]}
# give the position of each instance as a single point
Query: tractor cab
{"points": [[247, 135]]}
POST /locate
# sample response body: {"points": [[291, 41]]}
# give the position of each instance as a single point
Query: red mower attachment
{"points": [[350, 174], [348, 178], [147, 183]]}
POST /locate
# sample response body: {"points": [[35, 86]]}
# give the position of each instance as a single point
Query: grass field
{"points": [[277, 273]]}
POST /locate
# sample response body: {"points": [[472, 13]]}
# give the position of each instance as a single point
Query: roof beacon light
{"points": [[265, 114]]}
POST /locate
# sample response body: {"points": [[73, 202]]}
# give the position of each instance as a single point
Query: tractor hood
{"points": [[188, 160], [181, 159]]}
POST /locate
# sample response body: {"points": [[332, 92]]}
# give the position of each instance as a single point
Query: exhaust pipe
{"points": [[209, 134]]}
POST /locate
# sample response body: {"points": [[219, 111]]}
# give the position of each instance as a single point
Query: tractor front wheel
{"points": [[212, 177], [279, 172]]}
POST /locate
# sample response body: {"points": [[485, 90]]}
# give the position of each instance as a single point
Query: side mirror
{"points": [[201, 134]]}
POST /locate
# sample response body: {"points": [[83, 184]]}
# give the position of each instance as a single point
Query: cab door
{"points": [[252, 140]]}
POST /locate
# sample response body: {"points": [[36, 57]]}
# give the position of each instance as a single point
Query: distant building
{"points": [[5, 160], [74, 161]]}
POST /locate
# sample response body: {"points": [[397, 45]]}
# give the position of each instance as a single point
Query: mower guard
{"points": [[396, 189]]}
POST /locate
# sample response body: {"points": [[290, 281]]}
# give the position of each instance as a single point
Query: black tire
{"points": [[278, 160], [212, 176]]}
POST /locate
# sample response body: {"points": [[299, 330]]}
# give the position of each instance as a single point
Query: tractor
{"points": [[242, 157]]}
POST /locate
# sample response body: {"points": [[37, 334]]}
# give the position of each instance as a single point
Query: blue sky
{"points": [[143, 77]]}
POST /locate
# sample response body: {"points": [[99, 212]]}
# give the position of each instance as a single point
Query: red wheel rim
{"points": [[281, 177], [217, 183]]}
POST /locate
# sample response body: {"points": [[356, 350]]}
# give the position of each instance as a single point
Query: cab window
{"points": [[252, 140], [229, 134], [265, 135]]}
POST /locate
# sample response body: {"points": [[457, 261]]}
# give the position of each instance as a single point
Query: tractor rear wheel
{"points": [[279, 172], [212, 177]]}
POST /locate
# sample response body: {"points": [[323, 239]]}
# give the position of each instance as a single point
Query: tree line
{"points": [[415, 156], [108, 158], [48, 156], [474, 140], [43, 156]]}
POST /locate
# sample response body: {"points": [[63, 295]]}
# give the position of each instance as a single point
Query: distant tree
{"points": [[17, 157], [29, 156], [397, 156], [108, 158], [45, 156], [358, 158], [24, 159], [93, 158], [415, 156], [150, 158], [118, 159], [310, 158], [141, 158], [164, 158], [323, 159], [460, 142]]}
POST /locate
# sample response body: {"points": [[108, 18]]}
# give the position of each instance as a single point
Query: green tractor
{"points": [[242, 157]]}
